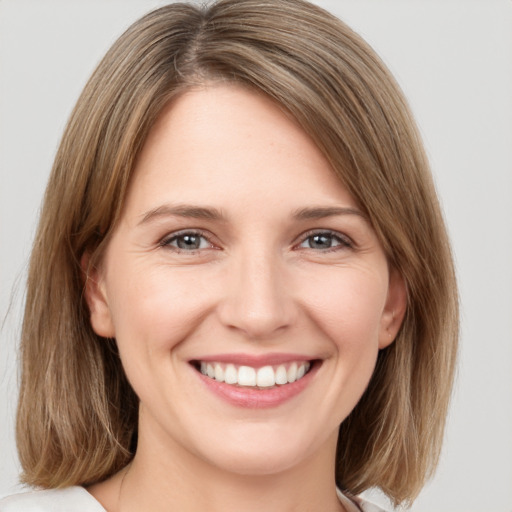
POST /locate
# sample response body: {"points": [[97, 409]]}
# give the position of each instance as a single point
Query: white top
{"points": [[70, 499], [77, 499]]}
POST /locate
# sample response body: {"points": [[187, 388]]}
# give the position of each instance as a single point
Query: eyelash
{"points": [[167, 241], [343, 241]]}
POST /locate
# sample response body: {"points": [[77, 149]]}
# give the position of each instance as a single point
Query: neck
{"points": [[187, 483], [164, 476]]}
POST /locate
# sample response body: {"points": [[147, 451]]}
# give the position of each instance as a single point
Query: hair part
{"points": [[77, 415]]}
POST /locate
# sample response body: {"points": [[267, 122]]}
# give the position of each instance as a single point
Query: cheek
{"points": [[156, 308], [348, 305], [349, 311]]}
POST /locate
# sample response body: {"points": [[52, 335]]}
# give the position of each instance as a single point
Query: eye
{"points": [[187, 241], [325, 240]]}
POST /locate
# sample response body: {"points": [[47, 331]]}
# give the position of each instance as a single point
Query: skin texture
{"points": [[256, 285]]}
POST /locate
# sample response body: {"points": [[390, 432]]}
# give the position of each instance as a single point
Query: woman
{"points": [[241, 292]]}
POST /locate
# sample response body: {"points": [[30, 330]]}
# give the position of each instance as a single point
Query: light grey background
{"points": [[453, 58]]}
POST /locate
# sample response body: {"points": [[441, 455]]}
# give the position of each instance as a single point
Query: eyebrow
{"points": [[210, 213], [326, 211], [182, 210]]}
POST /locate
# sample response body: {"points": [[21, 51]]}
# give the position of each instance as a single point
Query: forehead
{"points": [[229, 145]]}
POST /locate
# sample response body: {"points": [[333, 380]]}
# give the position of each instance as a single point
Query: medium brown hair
{"points": [[77, 416]]}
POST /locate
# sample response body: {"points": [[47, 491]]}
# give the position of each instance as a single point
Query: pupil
{"points": [[188, 242], [320, 242]]}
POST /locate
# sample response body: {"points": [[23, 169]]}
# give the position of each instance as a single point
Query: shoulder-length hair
{"points": [[77, 416]]}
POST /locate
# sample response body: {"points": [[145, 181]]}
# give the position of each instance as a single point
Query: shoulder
{"points": [[69, 499], [367, 506], [357, 504]]}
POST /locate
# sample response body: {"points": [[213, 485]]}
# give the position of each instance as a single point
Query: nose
{"points": [[258, 300]]}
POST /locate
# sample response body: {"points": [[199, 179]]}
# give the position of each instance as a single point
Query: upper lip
{"points": [[255, 361]]}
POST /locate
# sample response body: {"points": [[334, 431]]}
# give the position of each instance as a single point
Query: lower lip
{"points": [[253, 398]]}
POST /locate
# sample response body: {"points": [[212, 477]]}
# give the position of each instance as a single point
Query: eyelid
{"points": [[166, 240], [345, 240]]}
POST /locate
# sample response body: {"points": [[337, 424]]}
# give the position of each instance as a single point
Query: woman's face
{"points": [[248, 294]]}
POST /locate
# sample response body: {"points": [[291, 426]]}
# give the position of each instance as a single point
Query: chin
{"points": [[265, 452], [257, 462]]}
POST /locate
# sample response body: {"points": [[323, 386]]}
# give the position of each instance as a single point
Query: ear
{"points": [[394, 310], [96, 298]]}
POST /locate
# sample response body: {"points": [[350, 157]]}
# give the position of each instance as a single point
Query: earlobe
{"points": [[394, 311], [96, 298]]}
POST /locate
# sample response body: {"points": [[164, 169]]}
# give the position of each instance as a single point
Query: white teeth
{"points": [[281, 376], [246, 376], [219, 373], [230, 375], [292, 373], [264, 377]]}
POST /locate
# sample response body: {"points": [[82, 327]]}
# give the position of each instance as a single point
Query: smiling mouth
{"points": [[264, 377]]}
